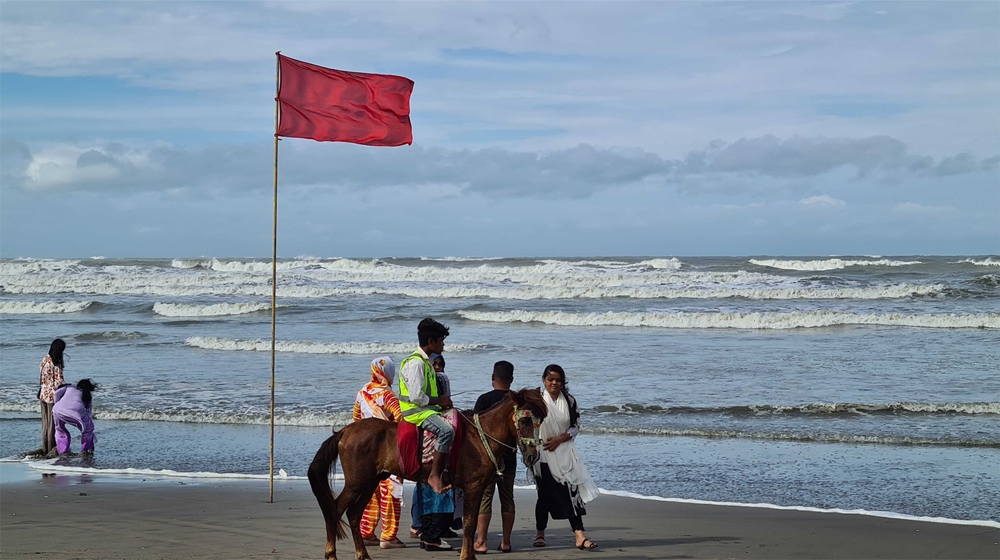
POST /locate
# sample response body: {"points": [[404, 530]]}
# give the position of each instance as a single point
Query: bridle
{"points": [[522, 442]]}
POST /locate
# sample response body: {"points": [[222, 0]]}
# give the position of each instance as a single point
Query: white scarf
{"points": [[564, 463]]}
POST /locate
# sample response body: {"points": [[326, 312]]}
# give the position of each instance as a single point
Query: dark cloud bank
{"points": [[569, 173]]}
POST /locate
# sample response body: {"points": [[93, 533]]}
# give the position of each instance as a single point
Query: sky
{"points": [[145, 129]]}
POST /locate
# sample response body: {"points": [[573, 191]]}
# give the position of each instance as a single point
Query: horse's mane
{"points": [[532, 397]]}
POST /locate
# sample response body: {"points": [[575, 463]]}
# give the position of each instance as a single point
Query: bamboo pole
{"points": [[274, 269]]}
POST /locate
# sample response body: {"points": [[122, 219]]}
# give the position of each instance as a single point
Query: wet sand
{"points": [[104, 517]]}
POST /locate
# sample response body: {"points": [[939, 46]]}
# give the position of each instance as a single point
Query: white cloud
{"points": [[822, 201]]}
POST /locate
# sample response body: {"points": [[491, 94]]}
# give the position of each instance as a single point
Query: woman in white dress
{"points": [[563, 483]]}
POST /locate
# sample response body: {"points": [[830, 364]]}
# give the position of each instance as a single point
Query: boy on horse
{"points": [[419, 399]]}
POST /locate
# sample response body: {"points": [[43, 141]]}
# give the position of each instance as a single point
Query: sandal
{"points": [[539, 542], [502, 549], [587, 544]]}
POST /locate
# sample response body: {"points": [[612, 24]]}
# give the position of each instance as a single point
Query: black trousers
{"points": [[555, 499], [542, 518]]}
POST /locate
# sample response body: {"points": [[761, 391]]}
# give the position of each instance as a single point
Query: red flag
{"points": [[336, 106]]}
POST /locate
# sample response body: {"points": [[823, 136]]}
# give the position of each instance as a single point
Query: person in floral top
{"points": [[376, 400], [50, 378]]}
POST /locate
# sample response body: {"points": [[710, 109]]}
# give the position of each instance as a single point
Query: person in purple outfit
{"points": [[72, 407]]}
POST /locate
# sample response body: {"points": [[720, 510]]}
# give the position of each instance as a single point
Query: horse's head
{"points": [[529, 411]]}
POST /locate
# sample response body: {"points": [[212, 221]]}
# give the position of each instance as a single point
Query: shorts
{"points": [[506, 484]]}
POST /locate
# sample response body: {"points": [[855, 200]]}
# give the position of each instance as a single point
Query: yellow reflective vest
{"points": [[411, 412]]}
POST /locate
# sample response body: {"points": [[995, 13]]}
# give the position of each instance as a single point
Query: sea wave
{"points": [[817, 437], [811, 409], [260, 345], [827, 264], [552, 279], [988, 261], [202, 417], [30, 307], [184, 310], [765, 320], [101, 336]]}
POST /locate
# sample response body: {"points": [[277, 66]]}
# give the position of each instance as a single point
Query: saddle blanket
{"points": [[406, 439]]}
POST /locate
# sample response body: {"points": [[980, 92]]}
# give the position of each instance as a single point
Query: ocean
{"points": [[851, 382]]}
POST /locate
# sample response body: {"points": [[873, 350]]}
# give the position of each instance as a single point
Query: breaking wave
{"points": [[766, 320], [988, 261], [183, 310], [813, 409], [260, 345], [827, 264], [27, 307]]}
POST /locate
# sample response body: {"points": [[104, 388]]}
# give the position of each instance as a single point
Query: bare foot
{"points": [[436, 483]]}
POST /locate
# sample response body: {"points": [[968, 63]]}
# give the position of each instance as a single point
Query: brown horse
{"points": [[369, 454]]}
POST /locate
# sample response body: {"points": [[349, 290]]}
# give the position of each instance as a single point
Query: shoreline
{"points": [[91, 516], [44, 467]]}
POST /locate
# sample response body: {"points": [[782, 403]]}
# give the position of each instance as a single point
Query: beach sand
{"points": [[105, 517]]}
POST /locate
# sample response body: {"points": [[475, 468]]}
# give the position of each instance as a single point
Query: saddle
{"points": [[412, 454]]}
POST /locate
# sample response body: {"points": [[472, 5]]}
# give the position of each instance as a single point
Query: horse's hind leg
{"points": [[356, 497]]}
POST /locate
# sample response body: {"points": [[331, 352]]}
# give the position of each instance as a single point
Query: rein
{"points": [[483, 435]]}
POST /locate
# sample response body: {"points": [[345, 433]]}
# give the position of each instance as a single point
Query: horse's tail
{"points": [[319, 480]]}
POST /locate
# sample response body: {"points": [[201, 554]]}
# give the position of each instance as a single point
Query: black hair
{"points": [[56, 351], [504, 371], [428, 329], [574, 415], [87, 387]]}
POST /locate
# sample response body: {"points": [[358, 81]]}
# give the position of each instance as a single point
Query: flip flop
{"points": [[585, 546], [539, 542], [502, 549]]}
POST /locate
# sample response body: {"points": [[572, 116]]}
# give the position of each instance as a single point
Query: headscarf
{"points": [[372, 396]]}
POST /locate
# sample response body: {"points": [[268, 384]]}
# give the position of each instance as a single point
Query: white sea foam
{"points": [[871, 513], [260, 345], [28, 307], [827, 264], [461, 259], [650, 279], [49, 467], [790, 320], [988, 261], [183, 310]]}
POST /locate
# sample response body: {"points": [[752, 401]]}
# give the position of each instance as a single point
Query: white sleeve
{"points": [[412, 374]]}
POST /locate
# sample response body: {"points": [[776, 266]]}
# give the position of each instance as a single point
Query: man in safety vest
{"points": [[418, 396]]}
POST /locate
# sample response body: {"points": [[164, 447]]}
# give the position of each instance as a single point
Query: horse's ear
{"points": [[516, 397]]}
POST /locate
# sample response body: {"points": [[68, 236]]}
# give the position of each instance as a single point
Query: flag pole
{"points": [[274, 269]]}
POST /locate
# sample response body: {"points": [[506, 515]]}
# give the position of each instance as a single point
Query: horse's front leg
{"points": [[473, 491]]}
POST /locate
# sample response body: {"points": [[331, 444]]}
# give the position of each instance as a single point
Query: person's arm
{"points": [[412, 373], [48, 374], [58, 376], [392, 406]]}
